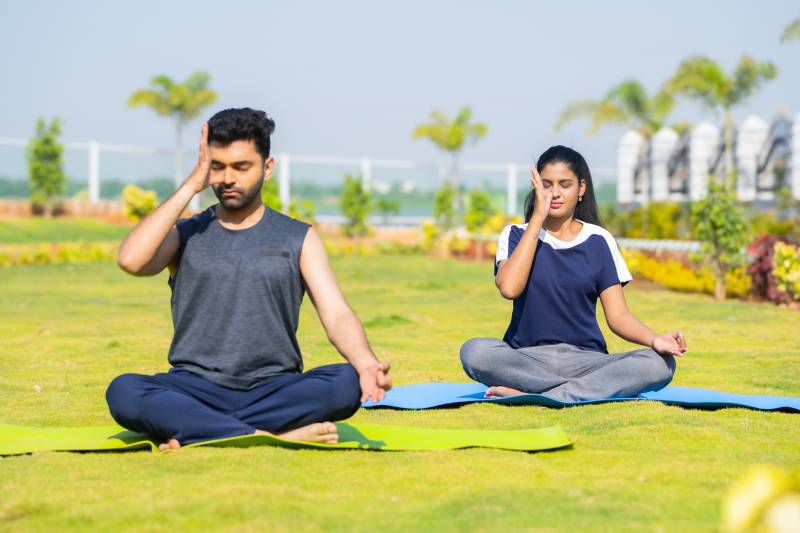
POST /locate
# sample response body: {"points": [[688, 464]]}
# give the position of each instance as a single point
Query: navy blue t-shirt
{"points": [[559, 303]]}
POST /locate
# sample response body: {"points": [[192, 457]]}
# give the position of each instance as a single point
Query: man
{"points": [[238, 272]]}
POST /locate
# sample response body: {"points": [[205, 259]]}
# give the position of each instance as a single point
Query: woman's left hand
{"points": [[670, 344]]}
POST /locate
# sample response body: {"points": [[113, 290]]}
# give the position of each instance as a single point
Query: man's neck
{"points": [[241, 218]]}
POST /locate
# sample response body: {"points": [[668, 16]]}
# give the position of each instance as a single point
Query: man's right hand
{"points": [[199, 179]]}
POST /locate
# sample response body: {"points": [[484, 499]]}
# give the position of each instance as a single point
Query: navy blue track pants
{"points": [[185, 406]]}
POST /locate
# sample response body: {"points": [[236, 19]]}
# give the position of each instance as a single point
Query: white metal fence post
{"points": [[511, 190], [366, 173]]}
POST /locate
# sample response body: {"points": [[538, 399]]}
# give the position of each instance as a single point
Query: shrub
{"points": [[386, 207], [430, 235], [718, 223], [479, 210], [270, 195], [673, 274], [786, 269], [443, 213], [138, 202], [764, 284], [46, 166], [356, 204], [61, 253]]}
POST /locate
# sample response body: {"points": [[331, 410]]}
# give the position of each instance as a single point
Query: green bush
{"points": [[46, 166], [356, 204], [443, 212], [479, 211], [138, 202], [718, 223], [271, 196], [786, 268], [386, 207]]}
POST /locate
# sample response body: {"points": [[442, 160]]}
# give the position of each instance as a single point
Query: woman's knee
{"points": [[660, 368], [474, 353]]}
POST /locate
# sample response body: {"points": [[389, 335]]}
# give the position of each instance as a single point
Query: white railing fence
{"points": [[296, 169]]}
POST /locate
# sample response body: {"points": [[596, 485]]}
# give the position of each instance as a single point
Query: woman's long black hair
{"points": [[586, 210]]}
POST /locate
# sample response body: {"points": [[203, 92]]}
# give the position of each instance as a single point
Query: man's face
{"points": [[241, 172]]}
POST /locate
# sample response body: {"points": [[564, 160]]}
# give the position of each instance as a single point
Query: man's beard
{"points": [[244, 199]]}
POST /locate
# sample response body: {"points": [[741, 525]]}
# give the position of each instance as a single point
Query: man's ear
{"points": [[269, 166]]}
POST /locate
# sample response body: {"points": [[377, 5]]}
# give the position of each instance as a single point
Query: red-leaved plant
{"points": [[764, 284]]}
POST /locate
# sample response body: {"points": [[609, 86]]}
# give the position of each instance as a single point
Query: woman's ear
{"points": [[582, 189]]}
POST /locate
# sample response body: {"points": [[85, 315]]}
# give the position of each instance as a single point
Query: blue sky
{"points": [[352, 78]]}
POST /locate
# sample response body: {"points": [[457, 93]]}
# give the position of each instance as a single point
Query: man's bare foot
{"points": [[173, 444], [321, 432], [501, 392]]}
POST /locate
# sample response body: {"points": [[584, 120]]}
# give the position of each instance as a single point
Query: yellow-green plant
{"points": [[786, 268], [138, 202], [674, 275], [764, 499]]}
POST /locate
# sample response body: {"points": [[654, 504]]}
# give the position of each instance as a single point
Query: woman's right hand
{"points": [[543, 197]]}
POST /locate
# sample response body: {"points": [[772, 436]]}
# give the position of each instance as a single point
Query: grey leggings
{"points": [[566, 372]]}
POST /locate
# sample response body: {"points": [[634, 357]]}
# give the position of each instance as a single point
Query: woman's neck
{"points": [[564, 228]]}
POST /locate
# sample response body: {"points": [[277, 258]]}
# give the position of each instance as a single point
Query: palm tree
{"points": [[452, 136], [183, 101], [791, 32], [626, 104], [704, 80]]}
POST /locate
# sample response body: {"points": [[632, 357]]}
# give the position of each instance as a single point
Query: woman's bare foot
{"points": [[321, 432], [173, 444], [501, 392]]}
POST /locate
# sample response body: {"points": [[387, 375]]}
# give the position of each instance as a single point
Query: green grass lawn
{"points": [[634, 466], [38, 229]]}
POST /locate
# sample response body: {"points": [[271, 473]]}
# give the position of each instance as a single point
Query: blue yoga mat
{"points": [[430, 395]]}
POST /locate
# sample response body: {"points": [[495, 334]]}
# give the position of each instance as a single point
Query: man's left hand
{"points": [[375, 381]]}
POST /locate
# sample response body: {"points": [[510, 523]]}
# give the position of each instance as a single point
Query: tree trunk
{"points": [[457, 184], [719, 282], [729, 170]]}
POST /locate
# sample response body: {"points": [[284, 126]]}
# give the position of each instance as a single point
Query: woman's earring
{"points": [[580, 198]]}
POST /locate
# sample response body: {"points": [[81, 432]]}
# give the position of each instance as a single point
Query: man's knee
{"points": [[345, 388], [123, 396]]}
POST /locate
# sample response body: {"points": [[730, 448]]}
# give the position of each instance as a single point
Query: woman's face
{"points": [[559, 179]]}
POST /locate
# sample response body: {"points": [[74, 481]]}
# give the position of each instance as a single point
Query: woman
{"points": [[554, 267]]}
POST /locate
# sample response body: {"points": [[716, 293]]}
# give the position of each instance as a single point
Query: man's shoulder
{"points": [[195, 223], [286, 225]]}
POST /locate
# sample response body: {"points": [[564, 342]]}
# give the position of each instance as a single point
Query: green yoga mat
{"points": [[15, 440]]}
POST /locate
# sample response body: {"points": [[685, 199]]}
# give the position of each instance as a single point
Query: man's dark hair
{"points": [[243, 124]]}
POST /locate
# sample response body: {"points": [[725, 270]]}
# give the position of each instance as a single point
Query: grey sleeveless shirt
{"points": [[236, 299]]}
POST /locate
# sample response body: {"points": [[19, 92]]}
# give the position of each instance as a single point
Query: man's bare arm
{"points": [[152, 245], [341, 324]]}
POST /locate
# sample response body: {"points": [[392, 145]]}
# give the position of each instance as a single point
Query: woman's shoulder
{"points": [[600, 231], [513, 228]]}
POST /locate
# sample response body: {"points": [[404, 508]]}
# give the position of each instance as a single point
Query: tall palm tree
{"points": [[451, 136], [182, 101], [703, 79], [626, 104], [791, 32]]}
